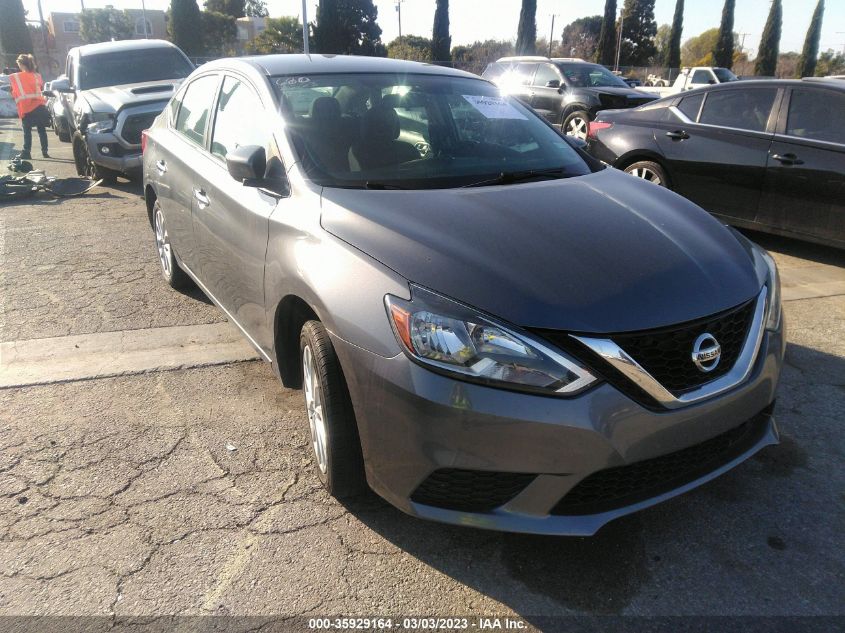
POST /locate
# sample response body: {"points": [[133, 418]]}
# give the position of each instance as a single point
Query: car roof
{"points": [[734, 85], [321, 64], [121, 45]]}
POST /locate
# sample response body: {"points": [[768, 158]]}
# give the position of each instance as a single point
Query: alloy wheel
{"points": [[163, 244], [646, 174], [577, 127], [314, 405]]}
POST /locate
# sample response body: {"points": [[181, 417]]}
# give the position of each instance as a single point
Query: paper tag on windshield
{"points": [[494, 107]]}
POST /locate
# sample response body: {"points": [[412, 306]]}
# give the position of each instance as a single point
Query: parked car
{"points": [[58, 116], [109, 94], [767, 155], [568, 92], [689, 79], [491, 328]]}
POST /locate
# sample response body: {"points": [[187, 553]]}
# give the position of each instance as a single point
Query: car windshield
{"points": [[591, 76], [131, 67], [417, 132], [724, 75]]}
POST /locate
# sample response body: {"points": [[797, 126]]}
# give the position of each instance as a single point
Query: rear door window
{"points": [[192, 120], [817, 114], [746, 109], [525, 73], [690, 106]]}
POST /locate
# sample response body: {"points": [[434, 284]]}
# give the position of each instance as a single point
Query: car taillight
{"points": [[595, 126], [143, 141]]}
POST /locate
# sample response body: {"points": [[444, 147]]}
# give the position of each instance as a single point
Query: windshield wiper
{"points": [[508, 177], [370, 184]]}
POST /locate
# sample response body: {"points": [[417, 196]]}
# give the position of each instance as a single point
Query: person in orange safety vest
{"points": [[32, 110]]}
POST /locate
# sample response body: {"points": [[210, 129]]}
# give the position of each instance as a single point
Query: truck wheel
{"points": [[577, 124], [648, 170], [334, 431], [86, 167], [61, 130]]}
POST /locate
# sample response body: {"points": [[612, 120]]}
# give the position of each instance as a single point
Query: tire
{"points": [[334, 431], [61, 130], [175, 277], [86, 167], [576, 124], [650, 171]]}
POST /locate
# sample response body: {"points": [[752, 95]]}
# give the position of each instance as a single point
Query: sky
{"points": [[497, 19]]}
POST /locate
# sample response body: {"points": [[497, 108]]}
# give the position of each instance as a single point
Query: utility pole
{"points": [[619, 43], [843, 45], [552, 34], [305, 45], [399, 14], [43, 31], [742, 43], [144, 18]]}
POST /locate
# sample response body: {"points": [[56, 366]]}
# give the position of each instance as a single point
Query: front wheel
{"points": [[334, 431], [577, 124], [85, 166], [648, 170]]}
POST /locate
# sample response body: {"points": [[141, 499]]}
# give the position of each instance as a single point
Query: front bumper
{"points": [[111, 151], [414, 423]]}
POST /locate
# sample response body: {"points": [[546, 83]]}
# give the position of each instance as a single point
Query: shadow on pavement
{"points": [[797, 248], [603, 574]]}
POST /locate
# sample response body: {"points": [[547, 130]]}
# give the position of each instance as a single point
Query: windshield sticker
{"points": [[494, 107], [286, 82]]}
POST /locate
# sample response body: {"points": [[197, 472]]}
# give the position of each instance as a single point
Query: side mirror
{"points": [[554, 83], [712, 82], [246, 163], [60, 84]]}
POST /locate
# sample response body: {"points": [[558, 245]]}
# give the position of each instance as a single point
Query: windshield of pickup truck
{"points": [[389, 131], [132, 67], [724, 75]]}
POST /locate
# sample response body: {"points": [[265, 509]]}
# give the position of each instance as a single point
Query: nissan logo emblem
{"points": [[706, 352]]}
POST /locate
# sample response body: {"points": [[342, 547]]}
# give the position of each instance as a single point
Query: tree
{"points": [[348, 27], [526, 33], [235, 8], [723, 53], [661, 43], [607, 36], [830, 63], [14, 36], [698, 51], [581, 37], [672, 59], [767, 55], [412, 47], [219, 33], [638, 31], [280, 35], [475, 57], [256, 9], [810, 52], [105, 25], [441, 41], [182, 23]]}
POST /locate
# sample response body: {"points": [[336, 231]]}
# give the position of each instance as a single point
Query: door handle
{"points": [[787, 159], [201, 198], [677, 135], [161, 166]]}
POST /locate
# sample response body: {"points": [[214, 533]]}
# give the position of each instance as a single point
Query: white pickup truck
{"points": [[690, 78]]}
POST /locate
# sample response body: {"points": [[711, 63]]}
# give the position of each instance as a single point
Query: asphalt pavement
{"points": [[152, 486]]}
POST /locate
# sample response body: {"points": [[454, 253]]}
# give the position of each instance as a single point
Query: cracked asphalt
{"points": [[192, 492]]}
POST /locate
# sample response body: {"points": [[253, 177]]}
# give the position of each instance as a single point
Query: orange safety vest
{"points": [[26, 89]]}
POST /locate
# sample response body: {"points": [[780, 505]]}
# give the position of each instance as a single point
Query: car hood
{"points": [[600, 253], [113, 98]]}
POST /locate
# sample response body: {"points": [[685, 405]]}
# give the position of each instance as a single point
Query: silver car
{"points": [[490, 327]]}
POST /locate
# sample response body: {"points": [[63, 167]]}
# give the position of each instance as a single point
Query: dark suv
{"points": [[567, 91]]}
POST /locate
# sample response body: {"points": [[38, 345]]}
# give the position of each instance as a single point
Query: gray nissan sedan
{"points": [[490, 327]]}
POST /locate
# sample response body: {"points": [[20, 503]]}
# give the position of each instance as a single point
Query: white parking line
{"points": [[83, 357]]}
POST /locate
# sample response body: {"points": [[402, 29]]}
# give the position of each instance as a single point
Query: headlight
{"points": [[774, 308], [100, 122], [455, 339]]}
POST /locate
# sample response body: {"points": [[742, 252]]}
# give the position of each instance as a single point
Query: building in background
{"points": [[64, 28], [248, 29]]}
